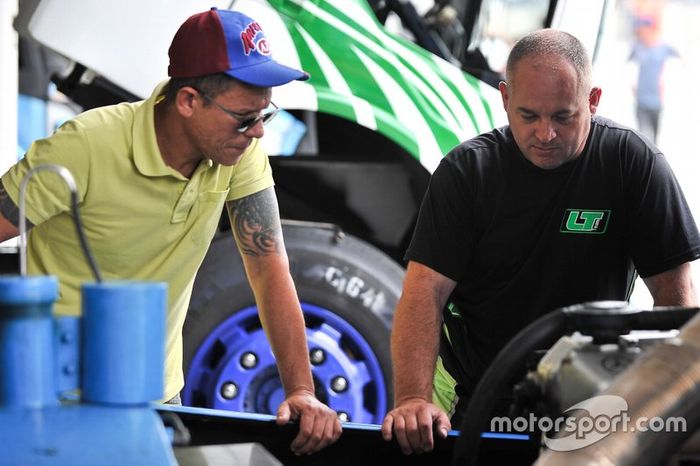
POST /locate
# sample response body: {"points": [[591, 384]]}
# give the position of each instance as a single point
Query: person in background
{"points": [[651, 55], [153, 178], [559, 207]]}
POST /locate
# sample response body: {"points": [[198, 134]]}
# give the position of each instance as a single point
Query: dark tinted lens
{"points": [[249, 122], [244, 125]]}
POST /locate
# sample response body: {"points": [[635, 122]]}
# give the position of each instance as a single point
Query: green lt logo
{"points": [[585, 221]]}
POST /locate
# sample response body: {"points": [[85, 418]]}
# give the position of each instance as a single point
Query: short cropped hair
{"points": [[212, 85], [552, 42]]}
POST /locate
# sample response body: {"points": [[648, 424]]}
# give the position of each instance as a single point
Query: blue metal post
{"points": [[124, 335], [26, 341]]}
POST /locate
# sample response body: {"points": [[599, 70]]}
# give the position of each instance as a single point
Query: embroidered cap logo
{"points": [[248, 40]]}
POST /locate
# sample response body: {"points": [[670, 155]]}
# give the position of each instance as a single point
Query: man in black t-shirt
{"points": [[559, 207]]}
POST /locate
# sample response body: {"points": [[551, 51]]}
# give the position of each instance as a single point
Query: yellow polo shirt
{"points": [[143, 220]]}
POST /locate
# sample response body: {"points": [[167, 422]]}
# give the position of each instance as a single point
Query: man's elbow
{"points": [[673, 287]]}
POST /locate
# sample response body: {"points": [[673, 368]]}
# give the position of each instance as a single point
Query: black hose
{"points": [[82, 238], [542, 333], [67, 177]]}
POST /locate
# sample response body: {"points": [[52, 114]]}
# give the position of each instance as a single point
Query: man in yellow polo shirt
{"points": [[152, 179]]}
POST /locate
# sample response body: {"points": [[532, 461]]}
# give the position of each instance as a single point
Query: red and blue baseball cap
{"points": [[225, 41]]}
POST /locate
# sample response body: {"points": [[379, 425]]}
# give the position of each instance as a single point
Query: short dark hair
{"points": [[211, 84], [552, 42]]}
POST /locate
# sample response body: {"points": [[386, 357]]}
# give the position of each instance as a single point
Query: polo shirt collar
{"points": [[147, 156]]}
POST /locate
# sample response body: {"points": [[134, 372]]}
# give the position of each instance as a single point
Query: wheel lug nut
{"points": [[249, 360], [229, 390], [339, 384], [317, 356], [343, 417]]}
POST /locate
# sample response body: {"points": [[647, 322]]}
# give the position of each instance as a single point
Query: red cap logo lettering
{"points": [[263, 47], [248, 39]]}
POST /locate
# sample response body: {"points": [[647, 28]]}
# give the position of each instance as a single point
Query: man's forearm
{"points": [[258, 233], [284, 325], [414, 348], [415, 335]]}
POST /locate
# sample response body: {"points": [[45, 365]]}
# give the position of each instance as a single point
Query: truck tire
{"points": [[348, 291]]}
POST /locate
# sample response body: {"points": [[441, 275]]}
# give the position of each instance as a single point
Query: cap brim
{"points": [[268, 74]]}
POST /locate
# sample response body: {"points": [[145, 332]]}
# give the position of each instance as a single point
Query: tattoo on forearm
{"points": [[256, 224], [8, 209]]}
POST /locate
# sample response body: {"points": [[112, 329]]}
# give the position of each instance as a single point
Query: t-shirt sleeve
{"points": [[47, 194], [252, 173], [443, 236], [663, 231]]}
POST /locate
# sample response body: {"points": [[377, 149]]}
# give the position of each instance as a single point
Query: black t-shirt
{"points": [[521, 241]]}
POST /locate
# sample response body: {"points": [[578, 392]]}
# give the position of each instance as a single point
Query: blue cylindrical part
{"points": [[124, 342], [26, 341]]}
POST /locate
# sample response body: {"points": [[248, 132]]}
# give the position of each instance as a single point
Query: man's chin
{"points": [[547, 160], [548, 164], [232, 157]]}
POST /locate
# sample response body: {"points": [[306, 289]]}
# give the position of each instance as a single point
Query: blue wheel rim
{"points": [[234, 368]]}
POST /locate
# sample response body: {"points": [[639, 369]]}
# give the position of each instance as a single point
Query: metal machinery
{"points": [[625, 378], [113, 355], [40, 363]]}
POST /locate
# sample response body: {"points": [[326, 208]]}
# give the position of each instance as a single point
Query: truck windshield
{"points": [[477, 34], [500, 23]]}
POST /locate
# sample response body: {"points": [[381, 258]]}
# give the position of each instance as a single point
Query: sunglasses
{"points": [[244, 123]]}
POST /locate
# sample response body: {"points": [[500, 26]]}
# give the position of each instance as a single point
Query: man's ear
{"points": [[185, 101], [503, 87], [594, 99]]}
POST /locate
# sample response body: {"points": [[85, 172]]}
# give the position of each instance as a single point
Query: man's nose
{"points": [[545, 131], [256, 130]]}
